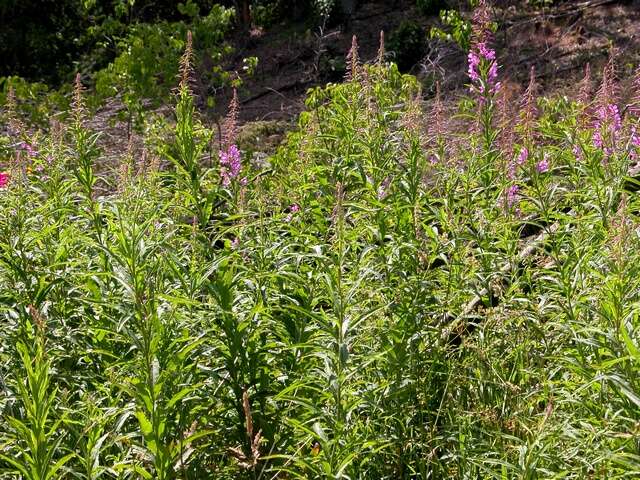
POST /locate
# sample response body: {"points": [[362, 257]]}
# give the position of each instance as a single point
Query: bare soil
{"points": [[558, 41]]}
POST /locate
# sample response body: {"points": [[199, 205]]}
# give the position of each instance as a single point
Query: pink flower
{"points": [[519, 161], [635, 138], [483, 68], [230, 164], [606, 128], [614, 113], [4, 179], [543, 165], [597, 139], [577, 151], [31, 151], [524, 155], [474, 62], [293, 209], [493, 73], [485, 52], [512, 195]]}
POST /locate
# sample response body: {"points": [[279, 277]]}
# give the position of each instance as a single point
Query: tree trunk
{"points": [[243, 9]]}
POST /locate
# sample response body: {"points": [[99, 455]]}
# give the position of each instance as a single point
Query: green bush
{"points": [[147, 67], [36, 102], [456, 29]]}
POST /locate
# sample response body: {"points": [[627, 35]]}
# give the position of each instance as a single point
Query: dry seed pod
{"points": [[230, 125], [353, 60], [381, 51], [186, 62], [78, 105]]}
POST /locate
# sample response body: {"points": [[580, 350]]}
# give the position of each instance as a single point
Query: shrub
{"points": [[457, 29], [36, 102], [147, 66]]}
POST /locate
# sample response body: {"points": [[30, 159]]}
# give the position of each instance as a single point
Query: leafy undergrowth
{"points": [[394, 294]]}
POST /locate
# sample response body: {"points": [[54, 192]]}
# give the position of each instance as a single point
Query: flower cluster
{"points": [[230, 164], [483, 68], [27, 147], [607, 122], [606, 127], [524, 155], [543, 165], [293, 209], [577, 152], [519, 161], [4, 179], [512, 195]]}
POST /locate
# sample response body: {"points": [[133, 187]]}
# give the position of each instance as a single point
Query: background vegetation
{"points": [[402, 290]]}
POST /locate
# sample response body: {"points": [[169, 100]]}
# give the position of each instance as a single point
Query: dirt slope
{"points": [[558, 41]]}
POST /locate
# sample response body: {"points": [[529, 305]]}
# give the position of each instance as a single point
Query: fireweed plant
{"points": [[403, 292]]}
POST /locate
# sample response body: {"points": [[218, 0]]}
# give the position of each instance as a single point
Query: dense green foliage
{"points": [[51, 40], [147, 66], [403, 290], [37, 39], [125, 49], [407, 44], [389, 296]]}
